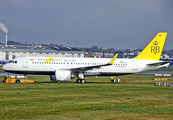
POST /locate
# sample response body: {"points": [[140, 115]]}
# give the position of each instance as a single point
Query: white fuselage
{"points": [[37, 65]]}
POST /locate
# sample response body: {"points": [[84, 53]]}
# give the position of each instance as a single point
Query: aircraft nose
{"points": [[4, 67]]}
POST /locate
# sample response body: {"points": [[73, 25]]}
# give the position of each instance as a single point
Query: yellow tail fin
{"points": [[154, 49]]}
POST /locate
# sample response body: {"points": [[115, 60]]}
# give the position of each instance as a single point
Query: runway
{"points": [[6, 73], [154, 72]]}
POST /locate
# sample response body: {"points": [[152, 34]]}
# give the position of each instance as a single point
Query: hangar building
{"points": [[12, 51]]}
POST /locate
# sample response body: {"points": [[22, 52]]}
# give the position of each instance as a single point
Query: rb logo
{"points": [[155, 48]]}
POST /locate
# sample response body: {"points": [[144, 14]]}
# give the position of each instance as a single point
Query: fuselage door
{"points": [[25, 62], [134, 65]]}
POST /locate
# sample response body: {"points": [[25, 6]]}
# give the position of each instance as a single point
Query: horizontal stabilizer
{"points": [[159, 63]]}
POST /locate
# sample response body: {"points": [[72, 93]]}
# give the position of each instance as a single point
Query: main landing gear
{"points": [[80, 78], [81, 81]]}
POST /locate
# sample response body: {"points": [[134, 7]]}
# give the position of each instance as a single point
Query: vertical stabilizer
{"points": [[154, 49]]}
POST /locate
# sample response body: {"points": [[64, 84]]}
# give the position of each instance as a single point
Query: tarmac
{"points": [[154, 72], [6, 73]]}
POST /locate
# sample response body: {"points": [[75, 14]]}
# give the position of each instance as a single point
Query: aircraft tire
{"points": [[78, 81], [83, 81]]}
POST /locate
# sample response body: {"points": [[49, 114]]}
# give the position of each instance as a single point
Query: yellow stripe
{"points": [[48, 60]]}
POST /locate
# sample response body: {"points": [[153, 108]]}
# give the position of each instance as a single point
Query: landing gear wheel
{"points": [[83, 81], [78, 81]]}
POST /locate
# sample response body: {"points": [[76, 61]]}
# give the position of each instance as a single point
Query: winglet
{"points": [[113, 59], [48, 60]]}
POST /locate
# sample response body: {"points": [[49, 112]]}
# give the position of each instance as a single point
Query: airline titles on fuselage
{"points": [[56, 60]]}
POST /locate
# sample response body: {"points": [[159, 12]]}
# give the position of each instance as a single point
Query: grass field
{"points": [[98, 99]]}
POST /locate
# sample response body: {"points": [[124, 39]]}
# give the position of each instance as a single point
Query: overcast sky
{"points": [[119, 24]]}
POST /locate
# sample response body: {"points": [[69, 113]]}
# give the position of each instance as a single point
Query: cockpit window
{"points": [[13, 61]]}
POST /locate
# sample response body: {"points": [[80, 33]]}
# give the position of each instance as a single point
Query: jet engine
{"points": [[62, 75]]}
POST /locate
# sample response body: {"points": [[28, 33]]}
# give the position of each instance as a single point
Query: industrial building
{"points": [[10, 52], [120, 55]]}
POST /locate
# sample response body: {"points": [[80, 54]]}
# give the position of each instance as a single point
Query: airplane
{"points": [[67, 68]]}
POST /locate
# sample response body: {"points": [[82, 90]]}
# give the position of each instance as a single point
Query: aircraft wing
{"points": [[85, 68]]}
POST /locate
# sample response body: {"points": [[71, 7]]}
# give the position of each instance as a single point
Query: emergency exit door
{"points": [[25, 62], [134, 65]]}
